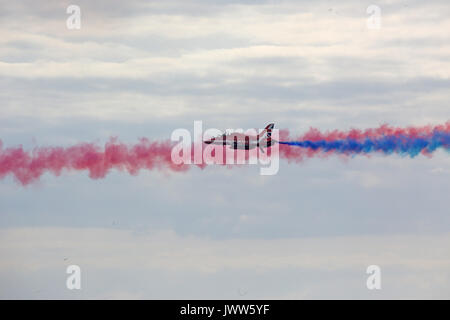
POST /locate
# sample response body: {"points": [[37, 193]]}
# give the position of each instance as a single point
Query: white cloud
{"points": [[233, 58], [33, 251]]}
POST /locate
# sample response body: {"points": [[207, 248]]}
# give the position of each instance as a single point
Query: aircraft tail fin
{"points": [[267, 130]]}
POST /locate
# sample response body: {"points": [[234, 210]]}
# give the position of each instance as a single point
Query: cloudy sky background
{"points": [[142, 69]]}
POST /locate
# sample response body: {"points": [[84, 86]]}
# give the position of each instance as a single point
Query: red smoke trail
{"points": [[27, 167]]}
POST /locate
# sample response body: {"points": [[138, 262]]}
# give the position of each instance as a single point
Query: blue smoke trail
{"points": [[400, 144]]}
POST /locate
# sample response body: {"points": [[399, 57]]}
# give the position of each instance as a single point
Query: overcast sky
{"points": [[143, 69]]}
